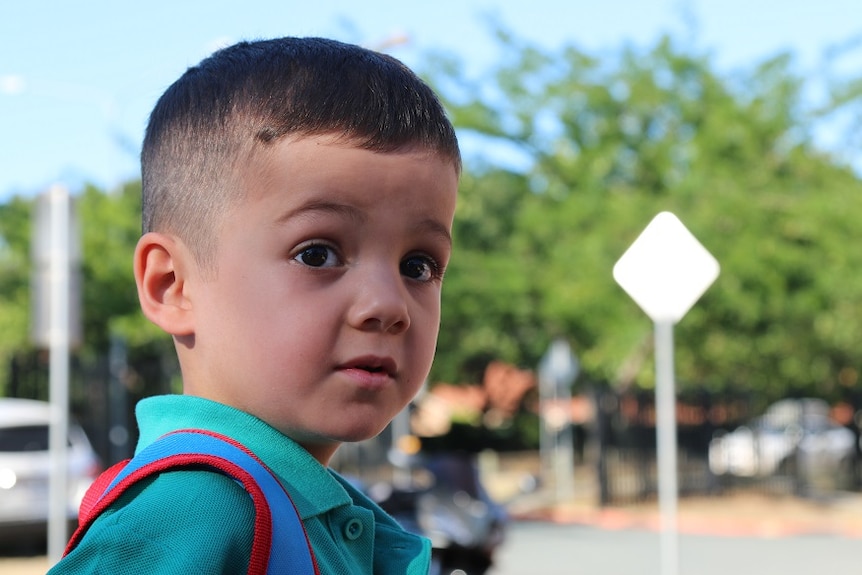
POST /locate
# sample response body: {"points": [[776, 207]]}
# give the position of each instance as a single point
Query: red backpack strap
{"points": [[280, 546], [95, 492]]}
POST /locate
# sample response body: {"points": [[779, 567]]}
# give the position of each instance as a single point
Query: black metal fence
{"points": [[103, 392], [727, 443], [724, 441]]}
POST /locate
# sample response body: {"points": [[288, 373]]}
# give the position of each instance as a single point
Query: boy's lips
{"points": [[371, 364]]}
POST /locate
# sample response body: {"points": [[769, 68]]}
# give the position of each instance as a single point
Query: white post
{"points": [[59, 267], [557, 371], [666, 445], [401, 473]]}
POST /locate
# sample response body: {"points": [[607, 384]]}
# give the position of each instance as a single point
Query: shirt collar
{"points": [[298, 471]]}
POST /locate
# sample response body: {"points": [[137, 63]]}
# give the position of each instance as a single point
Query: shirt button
{"points": [[353, 529]]}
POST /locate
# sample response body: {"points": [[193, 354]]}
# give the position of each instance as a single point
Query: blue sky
{"points": [[78, 79]]}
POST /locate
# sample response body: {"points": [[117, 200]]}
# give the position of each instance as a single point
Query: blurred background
{"points": [[579, 121]]}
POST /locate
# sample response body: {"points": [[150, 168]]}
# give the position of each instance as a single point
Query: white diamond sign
{"points": [[666, 269]]}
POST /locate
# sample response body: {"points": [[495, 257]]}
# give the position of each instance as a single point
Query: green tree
{"points": [[109, 226], [578, 153], [600, 147], [15, 266]]}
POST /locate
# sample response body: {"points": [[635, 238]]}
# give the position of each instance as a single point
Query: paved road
{"points": [[551, 549]]}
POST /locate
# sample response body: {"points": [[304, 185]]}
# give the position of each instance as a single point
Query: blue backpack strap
{"points": [[280, 544]]}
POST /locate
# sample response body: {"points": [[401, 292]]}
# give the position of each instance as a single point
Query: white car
{"points": [[25, 464], [793, 436]]}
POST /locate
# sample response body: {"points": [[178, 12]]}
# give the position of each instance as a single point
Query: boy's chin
{"points": [[341, 436], [360, 435], [323, 447]]}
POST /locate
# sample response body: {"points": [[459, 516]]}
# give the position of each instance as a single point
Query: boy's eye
{"points": [[317, 256], [420, 268]]}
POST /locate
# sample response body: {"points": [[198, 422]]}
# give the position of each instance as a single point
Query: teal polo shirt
{"points": [[201, 522]]}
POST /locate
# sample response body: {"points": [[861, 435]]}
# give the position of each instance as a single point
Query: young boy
{"points": [[298, 197]]}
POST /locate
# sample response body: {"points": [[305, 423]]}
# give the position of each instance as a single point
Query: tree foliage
{"points": [[109, 227], [15, 266], [577, 155], [567, 157]]}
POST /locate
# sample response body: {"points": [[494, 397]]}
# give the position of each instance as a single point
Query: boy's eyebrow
{"points": [[323, 206], [436, 228], [431, 225]]}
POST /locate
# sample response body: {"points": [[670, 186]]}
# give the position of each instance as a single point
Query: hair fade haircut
{"points": [[209, 122]]}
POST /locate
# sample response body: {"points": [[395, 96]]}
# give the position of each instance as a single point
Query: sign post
{"points": [[557, 371], [665, 271], [55, 326]]}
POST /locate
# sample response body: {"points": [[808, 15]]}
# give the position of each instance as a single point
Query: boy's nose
{"points": [[381, 302]]}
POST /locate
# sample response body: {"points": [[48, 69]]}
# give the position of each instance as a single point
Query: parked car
{"points": [[25, 464], [793, 437]]}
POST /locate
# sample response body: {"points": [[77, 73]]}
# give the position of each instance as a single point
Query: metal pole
{"points": [[59, 370], [557, 371], [118, 428], [401, 475], [565, 451], [666, 446], [544, 439]]}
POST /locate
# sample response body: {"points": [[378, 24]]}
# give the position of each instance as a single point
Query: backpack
{"points": [[279, 546]]}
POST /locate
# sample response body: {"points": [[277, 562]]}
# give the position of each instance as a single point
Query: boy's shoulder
{"points": [[171, 520], [205, 497]]}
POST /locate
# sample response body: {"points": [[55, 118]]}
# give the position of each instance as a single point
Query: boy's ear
{"points": [[161, 265]]}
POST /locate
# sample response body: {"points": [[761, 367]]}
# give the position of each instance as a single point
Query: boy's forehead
{"points": [[329, 165], [298, 159]]}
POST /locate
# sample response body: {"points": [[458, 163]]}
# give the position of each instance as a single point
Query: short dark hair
{"points": [[252, 94]]}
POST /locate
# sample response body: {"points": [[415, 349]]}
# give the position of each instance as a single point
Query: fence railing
{"points": [[726, 443]]}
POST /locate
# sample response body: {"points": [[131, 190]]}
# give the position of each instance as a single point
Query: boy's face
{"points": [[324, 314]]}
